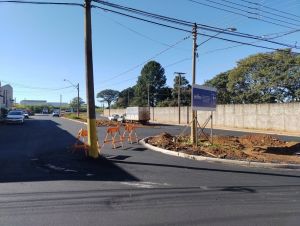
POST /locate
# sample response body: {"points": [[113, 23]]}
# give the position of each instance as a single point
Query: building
{"points": [[43, 103], [33, 102], [6, 96], [57, 104]]}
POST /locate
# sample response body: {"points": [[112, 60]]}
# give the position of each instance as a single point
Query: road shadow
{"points": [[207, 169], [40, 150]]}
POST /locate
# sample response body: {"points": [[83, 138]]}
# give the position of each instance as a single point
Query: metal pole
{"points": [[194, 113], [78, 104], [179, 88], [60, 97], [91, 114], [211, 127]]}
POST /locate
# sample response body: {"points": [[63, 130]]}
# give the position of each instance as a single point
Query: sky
{"points": [[41, 45]]}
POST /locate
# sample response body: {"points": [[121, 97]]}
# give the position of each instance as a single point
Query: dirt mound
{"points": [[163, 140], [254, 147], [260, 140]]}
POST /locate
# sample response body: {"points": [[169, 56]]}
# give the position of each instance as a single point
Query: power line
{"points": [[33, 87], [267, 7], [241, 14], [156, 55], [169, 19], [264, 11], [202, 34], [44, 3], [249, 12]]}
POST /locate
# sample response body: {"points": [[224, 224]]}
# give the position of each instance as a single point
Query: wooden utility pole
{"points": [[78, 104], [91, 114], [194, 113]]}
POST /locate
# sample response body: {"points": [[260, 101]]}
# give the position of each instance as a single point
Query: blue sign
{"points": [[204, 98]]}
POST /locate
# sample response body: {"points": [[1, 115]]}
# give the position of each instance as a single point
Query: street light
{"points": [[77, 87], [231, 29]]}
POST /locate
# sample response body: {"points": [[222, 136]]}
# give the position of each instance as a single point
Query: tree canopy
{"points": [[153, 78], [262, 78], [74, 101], [108, 95]]}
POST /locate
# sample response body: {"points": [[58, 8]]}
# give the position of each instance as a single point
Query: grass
{"points": [[82, 116]]}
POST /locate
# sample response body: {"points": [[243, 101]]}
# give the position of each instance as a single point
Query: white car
{"points": [[15, 117], [113, 117]]}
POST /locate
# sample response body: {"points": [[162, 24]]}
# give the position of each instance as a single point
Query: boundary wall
{"points": [[279, 117]]}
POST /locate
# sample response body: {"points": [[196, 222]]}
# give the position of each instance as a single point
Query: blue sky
{"points": [[40, 46]]}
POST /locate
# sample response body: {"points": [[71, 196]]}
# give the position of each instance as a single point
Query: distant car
{"points": [[15, 117], [113, 117], [121, 118], [26, 114], [55, 113]]}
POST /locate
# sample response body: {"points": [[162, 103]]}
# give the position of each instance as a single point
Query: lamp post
{"points": [[179, 93], [77, 87]]}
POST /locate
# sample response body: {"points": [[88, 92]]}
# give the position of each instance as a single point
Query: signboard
{"points": [[204, 98]]}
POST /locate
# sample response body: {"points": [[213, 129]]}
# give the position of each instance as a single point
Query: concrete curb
{"points": [[73, 120], [216, 160]]}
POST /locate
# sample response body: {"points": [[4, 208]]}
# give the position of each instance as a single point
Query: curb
{"points": [[216, 160], [73, 120]]}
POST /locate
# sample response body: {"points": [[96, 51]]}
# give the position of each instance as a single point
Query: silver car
{"points": [[15, 117]]}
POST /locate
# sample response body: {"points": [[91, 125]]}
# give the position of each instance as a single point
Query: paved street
{"points": [[43, 183]]}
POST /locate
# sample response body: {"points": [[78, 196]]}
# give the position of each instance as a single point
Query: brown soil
{"points": [[254, 147]]}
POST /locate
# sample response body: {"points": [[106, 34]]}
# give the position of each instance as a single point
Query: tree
{"points": [[153, 78], [125, 97], [74, 101], [262, 78], [108, 95], [220, 82], [185, 90]]}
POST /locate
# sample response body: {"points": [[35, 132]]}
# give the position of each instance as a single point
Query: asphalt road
{"points": [[43, 183]]}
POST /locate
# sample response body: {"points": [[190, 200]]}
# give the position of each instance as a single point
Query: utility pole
{"points": [[194, 113], [60, 104], [179, 94], [91, 119], [128, 98], [149, 95], [78, 104]]}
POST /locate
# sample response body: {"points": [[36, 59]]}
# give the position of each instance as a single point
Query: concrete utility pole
{"points": [[149, 95], [179, 94], [78, 104], [91, 114], [194, 113], [60, 99]]}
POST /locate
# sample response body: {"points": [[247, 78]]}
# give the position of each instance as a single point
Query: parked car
{"points": [[15, 117], [26, 114], [113, 117]]}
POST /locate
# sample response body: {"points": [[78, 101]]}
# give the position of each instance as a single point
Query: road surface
{"points": [[43, 183]]}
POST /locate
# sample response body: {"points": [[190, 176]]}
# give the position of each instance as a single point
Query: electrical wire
{"points": [[204, 27], [250, 12], [267, 7], [241, 14], [33, 87], [44, 3], [264, 11], [144, 62], [202, 34]]}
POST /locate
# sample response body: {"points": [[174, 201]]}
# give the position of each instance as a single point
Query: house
{"points": [[6, 98]]}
